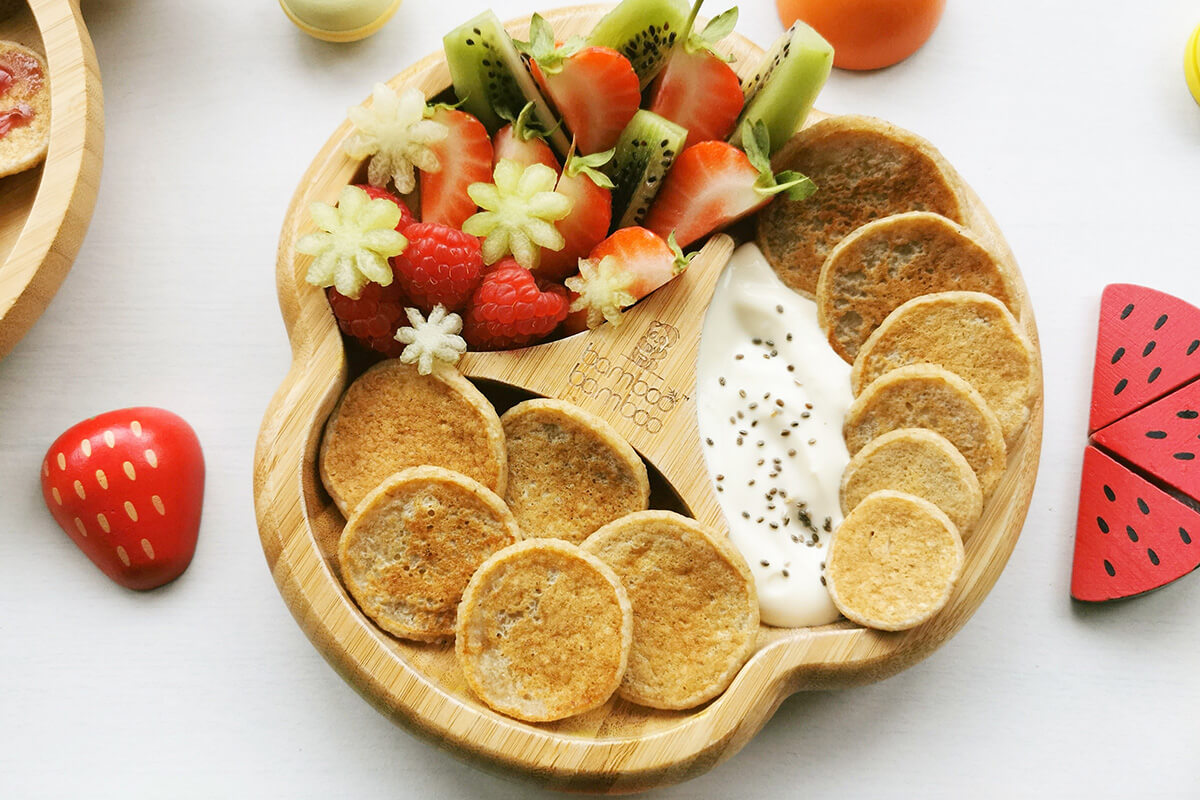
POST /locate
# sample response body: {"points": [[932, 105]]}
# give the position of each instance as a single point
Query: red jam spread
{"points": [[20, 79], [15, 117]]}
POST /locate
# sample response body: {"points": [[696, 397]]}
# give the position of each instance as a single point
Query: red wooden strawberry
{"points": [[697, 89], [714, 183], [595, 89], [127, 486], [1148, 345], [465, 157], [1130, 536]]}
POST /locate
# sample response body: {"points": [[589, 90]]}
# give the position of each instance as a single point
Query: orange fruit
{"points": [[867, 34]]}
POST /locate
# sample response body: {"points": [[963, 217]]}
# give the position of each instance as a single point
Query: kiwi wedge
{"points": [[786, 84], [643, 31], [645, 152], [491, 79]]}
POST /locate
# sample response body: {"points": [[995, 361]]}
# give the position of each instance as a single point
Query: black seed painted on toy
{"points": [[1127, 311], [1183, 534], [1154, 373], [1187, 414], [1120, 351], [1109, 569], [1184, 456], [1101, 524], [1161, 321], [1141, 504], [1156, 434], [1131, 533], [1108, 492], [1192, 347], [1121, 384], [1153, 556]]}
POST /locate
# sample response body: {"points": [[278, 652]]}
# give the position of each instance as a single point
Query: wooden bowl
{"points": [[620, 747], [44, 212]]}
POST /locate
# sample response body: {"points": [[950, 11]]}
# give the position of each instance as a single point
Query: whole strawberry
{"points": [[440, 266], [512, 309], [373, 318], [127, 486]]}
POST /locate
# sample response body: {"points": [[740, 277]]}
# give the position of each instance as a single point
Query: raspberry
{"points": [[511, 309], [375, 193], [440, 265], [372, 319]]}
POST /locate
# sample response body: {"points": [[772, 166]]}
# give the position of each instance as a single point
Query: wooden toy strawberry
{"points": [[127, 486]]}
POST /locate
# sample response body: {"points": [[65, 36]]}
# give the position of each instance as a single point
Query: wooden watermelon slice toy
{"points": [[1138, 526]]}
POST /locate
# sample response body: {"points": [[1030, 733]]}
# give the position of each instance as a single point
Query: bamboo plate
{"points": [[44, 212], [620, 747]]}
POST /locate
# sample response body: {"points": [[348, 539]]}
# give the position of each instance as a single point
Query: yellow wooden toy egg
{"points": [[339, 20], [1191, 63]]}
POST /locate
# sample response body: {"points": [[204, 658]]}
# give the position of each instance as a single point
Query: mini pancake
{"points": [[695, 609], [27, 102], [893, 562], [392, 418], [919, 462], [864, 169], [544, 631], [887, 262], [969, 333], [412, 544], [927, 396], [569, 472]]}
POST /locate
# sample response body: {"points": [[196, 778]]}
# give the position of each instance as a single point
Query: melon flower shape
{"points": [[433, 341], [394, 132], [354, 242], [520, 208]]}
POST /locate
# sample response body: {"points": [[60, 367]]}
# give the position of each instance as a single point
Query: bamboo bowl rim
{"points": [[66, 195], [788, 660]]}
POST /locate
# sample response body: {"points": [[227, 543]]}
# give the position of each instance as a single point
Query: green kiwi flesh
{"points": [[786, 84], [645, 152], [492, 81], [643, 31]]}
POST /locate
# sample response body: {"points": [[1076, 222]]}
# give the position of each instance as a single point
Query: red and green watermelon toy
{"points": [[1139, 502]]}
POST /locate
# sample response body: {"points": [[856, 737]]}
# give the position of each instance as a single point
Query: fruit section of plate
{"points": [[560, 181]]}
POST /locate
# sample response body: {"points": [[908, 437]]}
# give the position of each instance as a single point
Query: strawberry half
{"points": [[714, 183], [127, 486], [465, 157], [621, 270], [697, 89], [591, 214], [595, 89], [518, 141]]}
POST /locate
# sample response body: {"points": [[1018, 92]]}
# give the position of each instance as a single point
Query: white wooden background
{"points": [[1072, 121]]}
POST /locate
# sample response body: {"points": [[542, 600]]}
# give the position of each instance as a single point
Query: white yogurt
{"points": [[771, 396]]}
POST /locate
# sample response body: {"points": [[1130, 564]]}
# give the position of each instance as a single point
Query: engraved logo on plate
{"points": [[629, 385]]}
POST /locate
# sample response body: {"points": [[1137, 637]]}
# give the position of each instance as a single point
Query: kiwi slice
{"points": [[491, 79], [643, 31], [787, 81], [645, 152]]}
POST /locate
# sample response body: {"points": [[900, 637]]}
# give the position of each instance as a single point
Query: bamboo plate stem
{"points": [[620, 747]]}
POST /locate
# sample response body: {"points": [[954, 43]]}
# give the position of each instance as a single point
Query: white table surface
{"points": [[1074, 125]]}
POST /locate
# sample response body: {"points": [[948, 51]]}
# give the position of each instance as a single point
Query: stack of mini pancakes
{"points": [[914, 292]]}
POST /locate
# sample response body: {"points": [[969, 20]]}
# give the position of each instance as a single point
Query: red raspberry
{"points": [[375, 193], [440, 265], [512, 309], [372, 319]]}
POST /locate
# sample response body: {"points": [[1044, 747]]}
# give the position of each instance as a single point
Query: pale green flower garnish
{"points": [[354, 242], [520, 208], [431, 341], [603, 289], [396, 135]]}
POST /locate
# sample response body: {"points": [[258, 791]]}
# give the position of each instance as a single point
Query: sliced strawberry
{"points": [[591, 213], [697, 88], [714, 183], [465, 157], [595, 89], [518, 142], [621, 270]]}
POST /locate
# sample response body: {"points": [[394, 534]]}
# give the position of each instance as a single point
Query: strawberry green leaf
{"points": [[353, 243], [542, 49], [681, 260], [590, 165], [795, 185], [719, 27]]}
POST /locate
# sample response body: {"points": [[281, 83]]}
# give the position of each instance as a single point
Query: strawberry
{"points": [[465, 157], [375, 193], [511, 308], [441, 265], [373, 317], [519, 142], [713, 184], [587, 224], [595, 89], [127, 487], [697, 88], [621, 270]]}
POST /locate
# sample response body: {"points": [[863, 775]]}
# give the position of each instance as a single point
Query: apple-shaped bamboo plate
{"points": [[620, 747], [44, 211]]}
